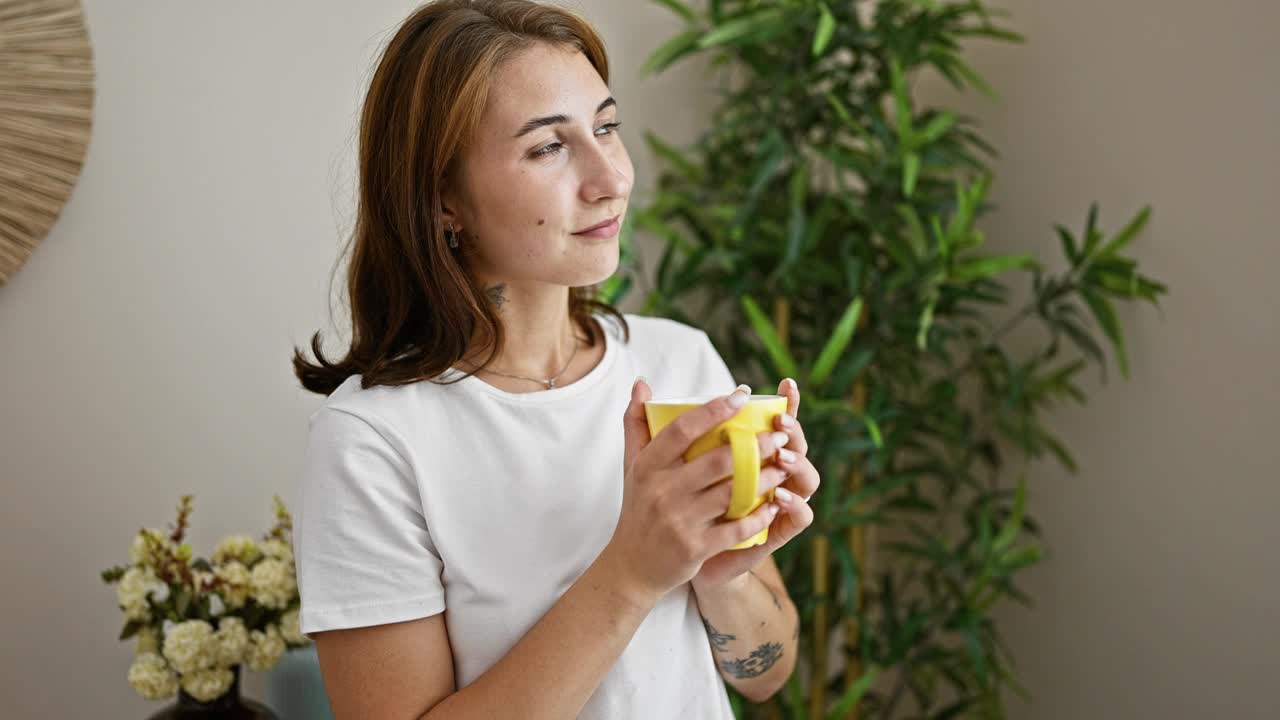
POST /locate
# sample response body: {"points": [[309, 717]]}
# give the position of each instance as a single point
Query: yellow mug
{"points": [[739, 432]]}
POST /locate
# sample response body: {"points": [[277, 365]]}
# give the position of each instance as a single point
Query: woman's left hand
{"points": [[792, 496]]}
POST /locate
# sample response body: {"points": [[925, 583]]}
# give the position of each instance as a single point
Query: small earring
{"points": [[451, 236]]}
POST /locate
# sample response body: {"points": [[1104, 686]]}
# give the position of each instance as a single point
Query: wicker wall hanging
{"points": [[46, 111]]}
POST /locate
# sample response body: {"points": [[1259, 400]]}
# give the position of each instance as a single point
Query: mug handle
{"points": [[746, 472]]}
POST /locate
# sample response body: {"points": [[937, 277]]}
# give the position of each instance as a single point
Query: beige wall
{"points": [[145, 344], [1159, 597]]}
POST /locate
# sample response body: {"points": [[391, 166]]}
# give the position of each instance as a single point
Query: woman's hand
{"points": [[801, 481], [672, 510]]}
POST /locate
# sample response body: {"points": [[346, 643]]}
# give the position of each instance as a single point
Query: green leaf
{"points": [[666, 152], [742, 26], [131, 628], [837, 343], [936, 127], [1125, 236], [1013, 524], [680, 9], [843, 112], [853, 694], [975, 80], [1092, 235], [973, 644], [902, 104], [926, 322], [826, 27], [798, 191], [782, 360], [873, 429], [910, 172], [1068, 244], [671, 51], [1021, 557], [1106, 317], [985, 267]]}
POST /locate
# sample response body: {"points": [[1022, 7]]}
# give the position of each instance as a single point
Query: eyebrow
{"points": [[536, 123]]}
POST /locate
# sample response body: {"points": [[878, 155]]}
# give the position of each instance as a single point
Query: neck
{"points": [[539, 335]]}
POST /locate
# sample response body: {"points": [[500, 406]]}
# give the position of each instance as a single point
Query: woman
{"points": [[477, 538]]}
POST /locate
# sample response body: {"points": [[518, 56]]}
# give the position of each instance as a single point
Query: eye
{"points": [[553, 148]]}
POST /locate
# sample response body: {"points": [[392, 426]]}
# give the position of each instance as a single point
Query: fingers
{"points": [[634, 423], [671, 442], [711, 504], [787, 423], [803, 477], [732, 532], [714, 465], [796, 516], [789, 389]]}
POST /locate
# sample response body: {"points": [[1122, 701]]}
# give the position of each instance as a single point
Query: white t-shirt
{"points": [[489, 505]]}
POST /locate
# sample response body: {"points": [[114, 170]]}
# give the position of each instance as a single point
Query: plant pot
{"points": [[228, 707]]}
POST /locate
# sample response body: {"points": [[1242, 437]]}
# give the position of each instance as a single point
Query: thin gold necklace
{"points": [[550, 382]]}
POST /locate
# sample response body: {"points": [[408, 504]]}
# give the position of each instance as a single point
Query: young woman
{"points": [[485, 528]]}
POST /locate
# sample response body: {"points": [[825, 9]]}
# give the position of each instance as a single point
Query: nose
{"points": [[606, 173]]}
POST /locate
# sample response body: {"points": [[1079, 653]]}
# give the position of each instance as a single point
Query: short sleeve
{"points": [[716, 376], [363, 550]]}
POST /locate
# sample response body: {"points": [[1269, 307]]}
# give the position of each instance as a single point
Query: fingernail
{"points": [[780, 438], [786, 455], [737, 400], [639, 379], [784, 494], [744, 388], [773, 509], [787, 420]]}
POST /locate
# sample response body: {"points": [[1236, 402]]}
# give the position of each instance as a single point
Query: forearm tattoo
{"points": [[761, 659], [718, 639]]}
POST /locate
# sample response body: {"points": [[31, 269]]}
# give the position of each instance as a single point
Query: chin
{"points": [[598, 272]]}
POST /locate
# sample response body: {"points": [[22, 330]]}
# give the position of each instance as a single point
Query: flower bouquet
{"points": [[197, 621]]}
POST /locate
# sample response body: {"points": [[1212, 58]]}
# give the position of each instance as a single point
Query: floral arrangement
{"points": [[195, 620]]}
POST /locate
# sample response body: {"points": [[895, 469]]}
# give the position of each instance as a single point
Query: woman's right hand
{"points": [[672, 510]]}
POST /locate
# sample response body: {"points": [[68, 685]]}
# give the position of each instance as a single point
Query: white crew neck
{"points": [[471, 383]]}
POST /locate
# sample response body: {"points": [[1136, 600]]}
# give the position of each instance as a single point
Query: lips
{"points": [[597, 226]]}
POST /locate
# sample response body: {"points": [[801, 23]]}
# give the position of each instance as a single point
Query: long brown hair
{"points": [[414, 308]]}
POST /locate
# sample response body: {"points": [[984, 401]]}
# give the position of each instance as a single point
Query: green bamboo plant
{"points": [[824, 228]]}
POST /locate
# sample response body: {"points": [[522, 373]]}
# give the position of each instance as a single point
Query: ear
{"points": [[450, 205]]}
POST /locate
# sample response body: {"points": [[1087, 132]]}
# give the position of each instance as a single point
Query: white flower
{"points": [[277, 549], [151, 677], [189, 646], [132, 592], [141, 552], [216, 607], [265, 648], [148, 641], [208, 684], [240, 548], [202, 580], [289, 629], [232, 641], [272, 583], [236, 577], [159, 591]]}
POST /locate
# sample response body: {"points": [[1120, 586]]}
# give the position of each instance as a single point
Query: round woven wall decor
{"points": [[46, 112]]}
